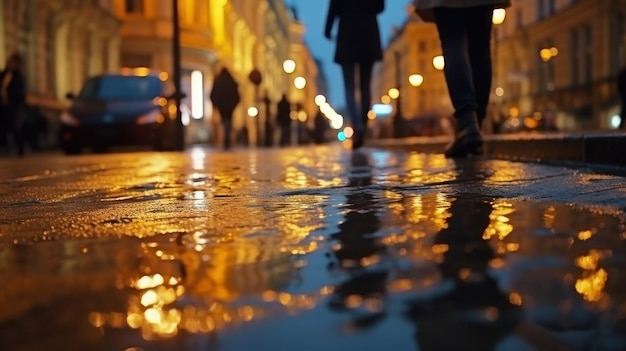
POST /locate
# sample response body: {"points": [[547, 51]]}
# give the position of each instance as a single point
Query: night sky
{"points": [[313, 14]]}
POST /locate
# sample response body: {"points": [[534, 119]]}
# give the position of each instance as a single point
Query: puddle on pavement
{"points": [[436, 265], [371, 263]]}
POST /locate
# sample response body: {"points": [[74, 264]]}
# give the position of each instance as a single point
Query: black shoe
{"points": [[467, 140], [359, 138]]}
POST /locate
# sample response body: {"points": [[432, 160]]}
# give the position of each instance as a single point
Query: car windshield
{"points": [[122, 88]]}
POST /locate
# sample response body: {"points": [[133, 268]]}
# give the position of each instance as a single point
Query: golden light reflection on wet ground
{"points": [[213, 247]]}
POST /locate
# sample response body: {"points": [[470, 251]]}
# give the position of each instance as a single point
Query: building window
{"points": [[134, 6], [587, 54], [551, 10], [541, 68], [574, 57], [545, 8], [519, 19], [422, 46], [50, 71], [136, 60]]}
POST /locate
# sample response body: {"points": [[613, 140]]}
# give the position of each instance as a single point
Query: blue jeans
{"points": [[465, 35]]}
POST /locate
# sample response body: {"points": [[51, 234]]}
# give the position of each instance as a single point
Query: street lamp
{"points": [[179, 131], [393, 93], [299, 83], [289, 66], [416, 80], [497, 18], [439, 63]]}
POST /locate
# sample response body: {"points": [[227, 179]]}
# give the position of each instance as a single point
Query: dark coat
{"points": [[16, 90], [358, 36], [12, 101], [225, 93], [283, 112], [621, 83]]}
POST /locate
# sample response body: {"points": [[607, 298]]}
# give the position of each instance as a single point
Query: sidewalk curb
{"points": [[600, 148]]}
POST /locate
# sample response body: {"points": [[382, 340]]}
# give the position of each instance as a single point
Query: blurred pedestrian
{"points": [[465, 28], [12, 103], [320, 126], [225, 97], [35, 128], [283, 117], [269, 122], [621, 88], [358, 47]]}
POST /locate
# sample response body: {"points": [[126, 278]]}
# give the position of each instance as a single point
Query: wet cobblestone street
{"points": [[309, 249]]}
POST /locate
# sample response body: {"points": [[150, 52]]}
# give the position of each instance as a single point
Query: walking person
{"points": [[465, 28], [283, 117], [358, 48], [225, 97], [621, 89], [12, 103]]}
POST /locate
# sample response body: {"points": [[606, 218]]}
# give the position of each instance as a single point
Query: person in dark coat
{"points": [[225, 97], [12, 102], [358, 47], [283, 117], [465, 28], [621, 89]]}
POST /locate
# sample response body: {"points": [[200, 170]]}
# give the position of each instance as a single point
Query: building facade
{"points": [[555, 65], [559, 61], [241, 35], [62, 42]]}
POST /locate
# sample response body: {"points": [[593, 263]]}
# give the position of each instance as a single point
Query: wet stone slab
{"points": [[310, 249]]}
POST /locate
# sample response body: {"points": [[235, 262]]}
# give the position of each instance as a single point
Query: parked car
{"points": [[125, 109]]}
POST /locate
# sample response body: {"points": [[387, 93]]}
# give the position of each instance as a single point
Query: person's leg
{"points": [[453, 35], [452, 25], [348, 71], [479, 45], [365, 85], [228, 131]]}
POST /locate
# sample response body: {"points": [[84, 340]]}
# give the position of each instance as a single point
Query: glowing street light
{"points": [[299, 83], [289, 66], [498, 16], [393, 93], [320, 100], [439, 62], [253, 111], [416, 80]]}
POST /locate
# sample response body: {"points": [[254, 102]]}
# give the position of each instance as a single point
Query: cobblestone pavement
{"points": [[311, 249]]}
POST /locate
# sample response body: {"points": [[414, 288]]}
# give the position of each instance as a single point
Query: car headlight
{"points": [[151, 117], [69, 119]]}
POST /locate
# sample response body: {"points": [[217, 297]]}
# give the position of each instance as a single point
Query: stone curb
{"points": [[590, 148]]}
